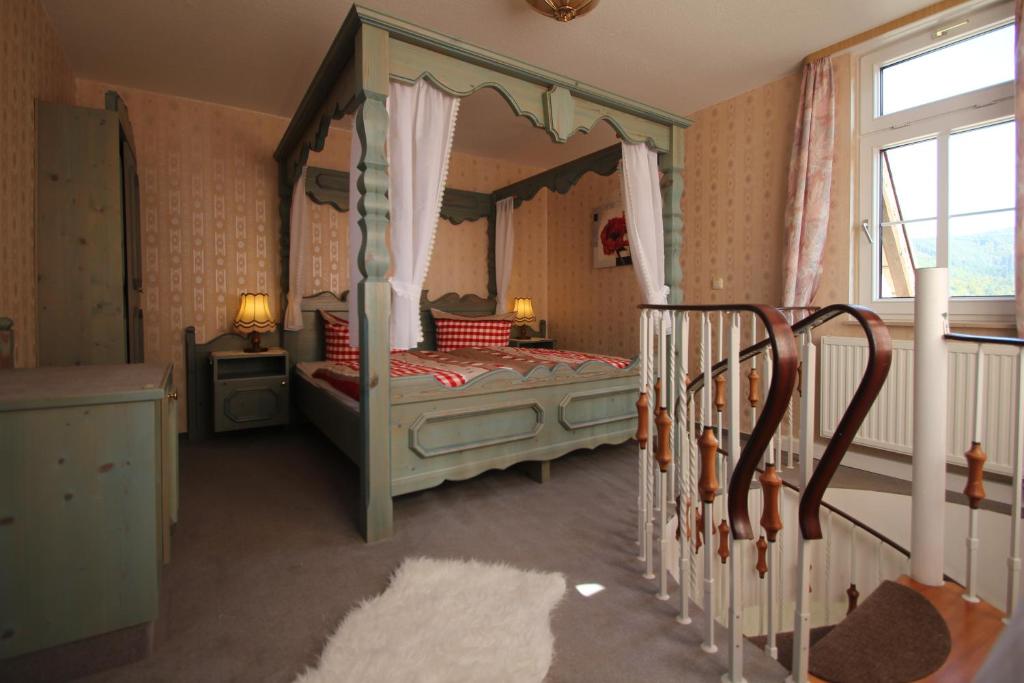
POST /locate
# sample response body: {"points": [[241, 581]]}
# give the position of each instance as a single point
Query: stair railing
{"points": [[976, 457], [984, 404], [703, 440], [687, 461]]}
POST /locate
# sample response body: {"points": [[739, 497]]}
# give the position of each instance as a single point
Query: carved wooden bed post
{"points": [[371, 125], [671, 164]]}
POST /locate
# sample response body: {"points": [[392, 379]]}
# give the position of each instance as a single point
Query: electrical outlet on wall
{"points": [[717, 283]]}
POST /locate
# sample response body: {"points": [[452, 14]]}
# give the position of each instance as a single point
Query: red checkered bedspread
{"points": [[456, 368]]}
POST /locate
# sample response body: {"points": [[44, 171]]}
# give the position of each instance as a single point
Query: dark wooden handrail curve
{"points": [[979, 339], [879, 360], [784, 363]]}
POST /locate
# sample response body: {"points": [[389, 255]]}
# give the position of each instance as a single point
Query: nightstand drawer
{"points": [[246, 403]]}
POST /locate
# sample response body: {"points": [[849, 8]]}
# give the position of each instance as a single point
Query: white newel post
{"points": [[927, 529]]}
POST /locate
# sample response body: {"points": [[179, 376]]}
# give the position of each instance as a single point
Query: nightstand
{"points": [[533, 343], [249, 389]]}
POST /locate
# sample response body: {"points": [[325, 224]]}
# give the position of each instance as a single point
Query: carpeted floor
{"points": [[267, 562]]}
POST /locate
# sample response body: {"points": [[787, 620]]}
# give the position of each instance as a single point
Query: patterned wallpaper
{"points": [[210, 219], [737, 158], [592, 309], [32, 66], [737, 161]]}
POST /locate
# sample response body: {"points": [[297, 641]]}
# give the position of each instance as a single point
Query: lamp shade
{"points": [[523, 309], [254, 313]]}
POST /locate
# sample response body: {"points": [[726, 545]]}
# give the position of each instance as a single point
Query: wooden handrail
{"points": [[981, 339], [879, 360], [784, 362]]}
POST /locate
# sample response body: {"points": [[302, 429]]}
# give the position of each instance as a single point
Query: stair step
{"points": [[973, 629], [904, 631]]}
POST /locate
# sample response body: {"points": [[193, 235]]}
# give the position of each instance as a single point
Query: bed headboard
{"points": [[307, 344]]}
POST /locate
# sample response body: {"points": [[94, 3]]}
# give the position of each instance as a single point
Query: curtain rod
{"points": [[881, 30]]}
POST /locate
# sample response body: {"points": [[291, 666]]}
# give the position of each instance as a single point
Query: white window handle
{"points": [[865, 226]]}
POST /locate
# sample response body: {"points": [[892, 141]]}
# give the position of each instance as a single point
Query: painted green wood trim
{"points": [[338, 56], [671, 164], [563, 178], [458, 206], [328, 186], [492, 252], [374, 305], [112, 102], [457, 442], [472, 54], [552, 108], [567, 421], [199, 376], [316, 102]]}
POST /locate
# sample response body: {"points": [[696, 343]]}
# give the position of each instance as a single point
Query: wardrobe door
{"points": [[132, 253], [80, 237]]}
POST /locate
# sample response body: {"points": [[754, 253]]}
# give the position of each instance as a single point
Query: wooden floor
{"points": [[973, 629]]}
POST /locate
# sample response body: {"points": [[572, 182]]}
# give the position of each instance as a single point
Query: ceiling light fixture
{"points": [[563, 10]]}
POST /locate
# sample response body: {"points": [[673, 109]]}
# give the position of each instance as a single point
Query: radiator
{"points": [[890, 424]]}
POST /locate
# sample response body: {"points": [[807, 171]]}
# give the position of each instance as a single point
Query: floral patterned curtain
{"points": [[1019, 241], [810, 184]]}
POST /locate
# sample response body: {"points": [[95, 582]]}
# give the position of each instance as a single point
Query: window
{"points": [[937, 179]]}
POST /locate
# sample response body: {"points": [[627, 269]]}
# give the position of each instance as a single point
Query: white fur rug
{"points": [[444, 621]]}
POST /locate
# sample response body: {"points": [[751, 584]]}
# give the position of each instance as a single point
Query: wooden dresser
{"points": [[88, 493]]}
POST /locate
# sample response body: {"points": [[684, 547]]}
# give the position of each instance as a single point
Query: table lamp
{"points": [[523, 310], [253, 318]]}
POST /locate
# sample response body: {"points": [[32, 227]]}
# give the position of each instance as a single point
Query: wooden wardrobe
{"points": [[88, 245]]}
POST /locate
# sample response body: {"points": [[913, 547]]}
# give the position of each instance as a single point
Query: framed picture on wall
{"points": [[610, 240]]}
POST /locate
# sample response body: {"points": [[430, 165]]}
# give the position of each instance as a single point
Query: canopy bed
{"points": [[456, 414]]}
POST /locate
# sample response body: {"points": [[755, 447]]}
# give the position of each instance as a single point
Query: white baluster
{"points": [[663, 477], [828, 568], [707, 420], [773, 561], [802, 608], [641, 503], [971, 594], [735, 558], [1013, 562], [687, 442], [649, 461]]}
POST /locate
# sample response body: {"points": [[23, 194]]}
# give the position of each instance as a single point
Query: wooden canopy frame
{"points": [[369, 51]]}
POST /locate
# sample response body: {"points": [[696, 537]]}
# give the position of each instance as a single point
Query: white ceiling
{"points": [[679, 55]]}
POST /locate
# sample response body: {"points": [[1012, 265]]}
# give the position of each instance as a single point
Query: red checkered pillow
{"points": [[459, 332], [336, 336]]}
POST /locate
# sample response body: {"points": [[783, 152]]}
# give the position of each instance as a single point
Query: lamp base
{"points": [[254, 343], [523, 332]]}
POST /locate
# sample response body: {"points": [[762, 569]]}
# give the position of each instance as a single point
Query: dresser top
{"points": [[81, 385]]}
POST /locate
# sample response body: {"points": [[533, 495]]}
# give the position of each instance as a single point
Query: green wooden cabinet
{"points": [[89, 250], [88, 492], [249, 389]]}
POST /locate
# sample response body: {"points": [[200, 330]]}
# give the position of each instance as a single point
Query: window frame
{"points": [[940, 119]]}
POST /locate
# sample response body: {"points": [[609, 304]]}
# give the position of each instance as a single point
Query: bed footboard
{"points": [[464, 435]]}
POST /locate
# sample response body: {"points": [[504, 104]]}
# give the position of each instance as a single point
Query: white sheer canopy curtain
{"points": [[504, 243], [298, 228], [420, 131], [641, 191]]}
